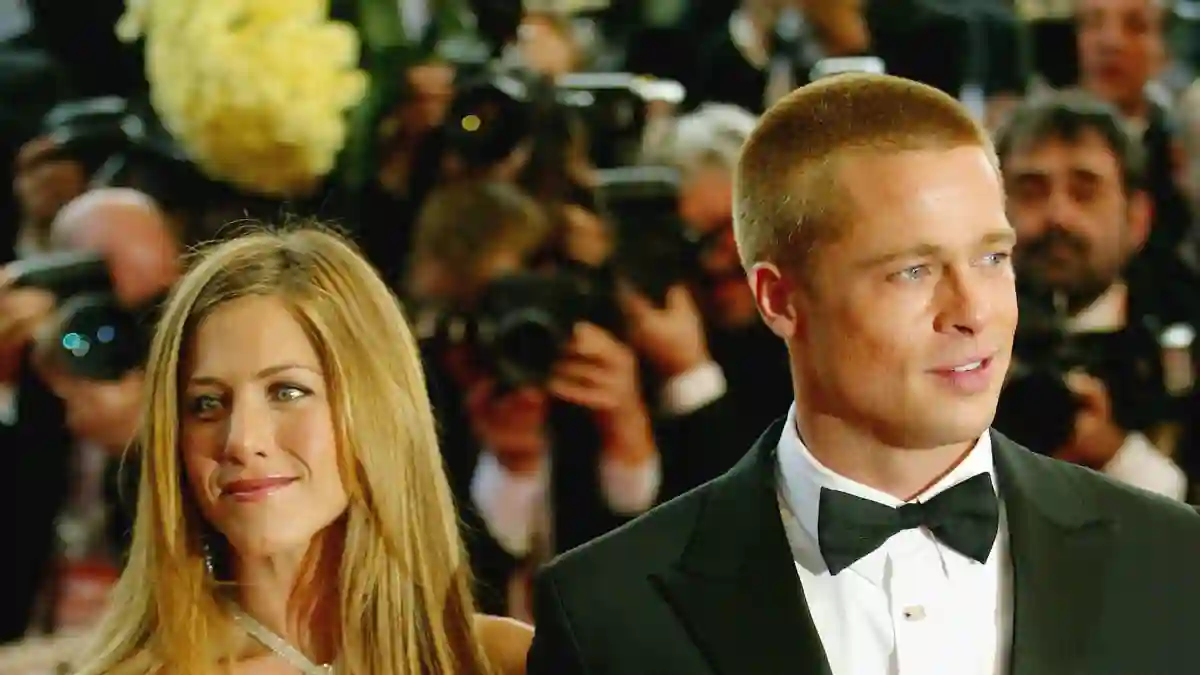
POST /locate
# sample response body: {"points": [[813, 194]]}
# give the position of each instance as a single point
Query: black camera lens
{"points": [[488, 119], [523, 322], [98, 339], [526, 345]]}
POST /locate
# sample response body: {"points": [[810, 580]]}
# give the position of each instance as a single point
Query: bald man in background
{"points": [[36, 448]]}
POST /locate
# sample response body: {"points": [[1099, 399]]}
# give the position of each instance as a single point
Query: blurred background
{"points": [[547, 186]]}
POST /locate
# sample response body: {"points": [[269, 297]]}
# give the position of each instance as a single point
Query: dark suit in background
{"points": [[1106, 581], [35, 455]]}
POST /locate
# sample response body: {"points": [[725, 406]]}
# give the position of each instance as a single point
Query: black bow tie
{"points": [[966, 518]]}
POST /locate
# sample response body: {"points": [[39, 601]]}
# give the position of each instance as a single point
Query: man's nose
{"points": [[965, 304], [1061, 209], [1109, 35]]}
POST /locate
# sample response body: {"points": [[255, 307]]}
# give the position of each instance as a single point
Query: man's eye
{"points": [[912, 273]]}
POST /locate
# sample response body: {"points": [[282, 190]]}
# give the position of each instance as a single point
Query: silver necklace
{"points": [[281, 647]]}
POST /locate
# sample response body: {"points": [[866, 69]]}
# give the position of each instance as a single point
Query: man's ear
{"points": [[1138, 219], [774, 294]]}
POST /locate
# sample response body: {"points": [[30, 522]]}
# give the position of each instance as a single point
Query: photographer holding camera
{"points": [[81, 144], [548, 433], [1091, 379], [703, 147], [769, 47], [70, 330]]}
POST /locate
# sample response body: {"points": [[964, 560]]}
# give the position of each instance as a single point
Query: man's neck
{"points": [[856, 454], [294, 594], [1137, 113]]}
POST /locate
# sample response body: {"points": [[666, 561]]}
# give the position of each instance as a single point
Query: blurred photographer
{"points": [[102, 406], [557, 442], [110, 253], [770, 47], [45, 180], [704, 147], [1097, 365], [512, 125], [122, 225], [99, 142], [546, 43]]}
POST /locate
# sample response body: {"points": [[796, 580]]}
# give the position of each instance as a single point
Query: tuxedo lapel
{"points": [[1060, 544], [736, 588]]}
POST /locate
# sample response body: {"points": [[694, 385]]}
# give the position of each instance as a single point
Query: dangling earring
{"points": [[209, 565]]}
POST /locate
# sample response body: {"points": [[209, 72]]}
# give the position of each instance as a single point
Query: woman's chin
{"points": [[265, 547]]}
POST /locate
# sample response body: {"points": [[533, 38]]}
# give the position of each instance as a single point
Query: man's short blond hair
{"points": [[786, 194]]}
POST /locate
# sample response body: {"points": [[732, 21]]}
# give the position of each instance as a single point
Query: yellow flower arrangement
{"points": [[256, 91]]}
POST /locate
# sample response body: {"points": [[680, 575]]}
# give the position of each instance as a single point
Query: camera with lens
{"points": [[1038, 410], [490, 115], [100, 340], [522, 322], [95, 337], [613, 107], [517, 328], [654, 251], [95, 131], [495, 110], [121, 143]]}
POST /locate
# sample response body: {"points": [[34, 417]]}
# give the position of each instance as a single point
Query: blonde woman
{"points": [[293, 516]]}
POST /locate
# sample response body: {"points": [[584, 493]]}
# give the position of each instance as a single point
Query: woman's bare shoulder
{"points": [[505, 642]]}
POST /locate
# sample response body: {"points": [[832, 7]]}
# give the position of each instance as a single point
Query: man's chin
{"points": [[1052, 277], [958, 421]]}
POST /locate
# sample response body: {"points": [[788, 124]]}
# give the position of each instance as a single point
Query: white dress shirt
{"points": [[15, 19], [1138, 462], [913, 606], [512, 505], [1141, 464]]}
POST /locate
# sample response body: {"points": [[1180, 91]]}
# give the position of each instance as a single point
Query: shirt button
{"points": [[913, 613]]}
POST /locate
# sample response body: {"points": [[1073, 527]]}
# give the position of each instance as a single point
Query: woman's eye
{"points": [[204, 404], [288, 392]]}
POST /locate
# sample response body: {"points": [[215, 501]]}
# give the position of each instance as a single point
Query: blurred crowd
{"points": [[550, 195]]}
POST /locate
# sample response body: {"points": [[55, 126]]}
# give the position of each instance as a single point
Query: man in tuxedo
{"points": [[881, 527]]}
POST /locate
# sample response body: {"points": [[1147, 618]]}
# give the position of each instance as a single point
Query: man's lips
{"points": [[966, 364], [967, 377]]}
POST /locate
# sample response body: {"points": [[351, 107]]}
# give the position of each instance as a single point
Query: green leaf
{"points": [[386, 52]]}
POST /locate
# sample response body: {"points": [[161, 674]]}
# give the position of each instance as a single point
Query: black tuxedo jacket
{"points": [[1106, 581]]}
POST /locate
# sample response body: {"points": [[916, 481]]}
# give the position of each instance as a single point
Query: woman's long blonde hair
{"points": [[403, 586]]}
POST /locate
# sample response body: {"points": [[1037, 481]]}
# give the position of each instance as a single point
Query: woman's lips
{"points": [[254, 489]]}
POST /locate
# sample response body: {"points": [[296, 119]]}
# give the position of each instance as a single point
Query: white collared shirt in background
{"points": [[1138, 462], [511, 505], [1141, 464]]}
